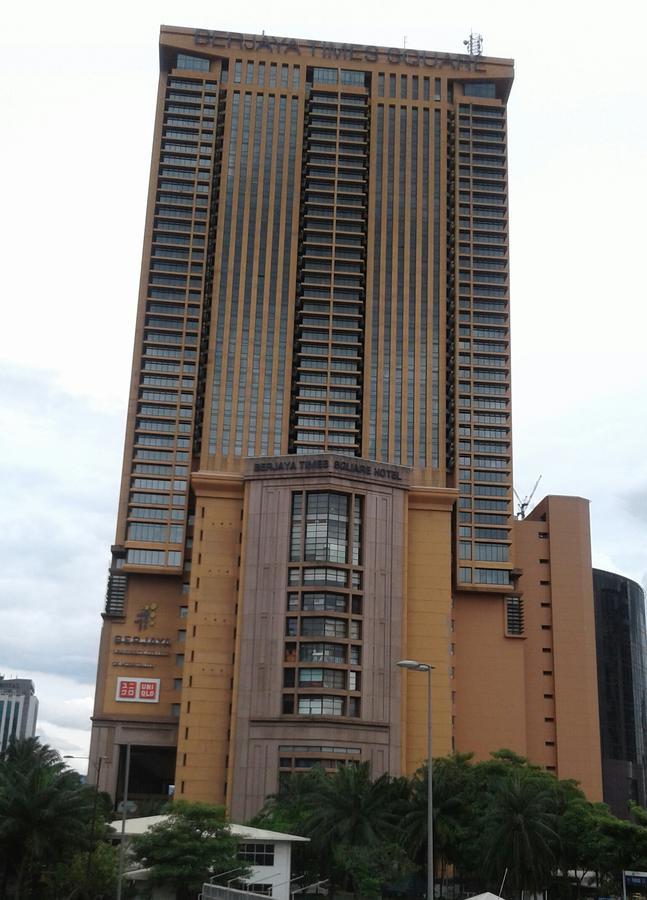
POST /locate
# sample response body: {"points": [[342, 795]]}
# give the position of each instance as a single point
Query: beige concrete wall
{"points": [[203, 739], [428, 618]]}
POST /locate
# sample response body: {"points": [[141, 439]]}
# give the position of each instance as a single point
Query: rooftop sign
{"points": [[341, 53]]}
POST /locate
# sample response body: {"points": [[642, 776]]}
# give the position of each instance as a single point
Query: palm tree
{"points": [[349, 808], [44, 813], [519, 830]]}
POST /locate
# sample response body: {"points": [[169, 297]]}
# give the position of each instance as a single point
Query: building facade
{"points": [[18, 710], [622, 685], [317, 469]]}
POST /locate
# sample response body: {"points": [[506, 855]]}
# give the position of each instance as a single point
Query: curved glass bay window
{"points": [[324, 651]]}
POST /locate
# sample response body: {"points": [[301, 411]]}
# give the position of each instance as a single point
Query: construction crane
{"points": [[525, 503]]}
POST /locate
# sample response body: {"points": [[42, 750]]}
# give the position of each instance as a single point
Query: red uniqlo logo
{"points": [[147, 690], [138, 690], [128, 689]]}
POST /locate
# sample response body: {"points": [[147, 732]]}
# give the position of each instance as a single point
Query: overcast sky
{"points": [[77, 90]]}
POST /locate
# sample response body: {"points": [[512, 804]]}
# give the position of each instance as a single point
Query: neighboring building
{"points": [[18, 710], [317, 471], [622, 689], [267, 855]]}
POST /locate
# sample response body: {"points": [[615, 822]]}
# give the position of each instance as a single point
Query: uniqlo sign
{"points": [[138, 690]]}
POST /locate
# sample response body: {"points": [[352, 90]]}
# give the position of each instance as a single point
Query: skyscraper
{"points": [[622, 684], [317, 467], [18, 710]]}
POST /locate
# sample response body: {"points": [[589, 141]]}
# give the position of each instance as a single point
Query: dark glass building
{"points": [[622, 688]]}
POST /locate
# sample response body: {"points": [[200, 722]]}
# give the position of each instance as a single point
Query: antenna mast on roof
{"points": [[525, 503], [474, 44]]}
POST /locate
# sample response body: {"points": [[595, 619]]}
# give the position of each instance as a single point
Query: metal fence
{"points": [[219, 892]]}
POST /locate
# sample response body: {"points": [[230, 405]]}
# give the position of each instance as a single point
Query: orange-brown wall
{"points": [[489, 707], [535, 694], [560, 618]]}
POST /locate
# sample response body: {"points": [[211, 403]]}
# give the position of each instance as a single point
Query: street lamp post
{"points": [[124, 805], [88, 868], [415, 666]]}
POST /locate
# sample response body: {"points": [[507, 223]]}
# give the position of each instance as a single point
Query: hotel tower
{"points": [[317, 470]]}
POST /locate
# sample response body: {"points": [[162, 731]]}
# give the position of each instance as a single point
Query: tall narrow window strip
{"points": [[271, 310], [243, 362], [285, 283], [424, 293], [236, 304], [401, 289], [224, 269], [390, 248], [435, 317], [408, 425], [262, 279], [377, 283]]}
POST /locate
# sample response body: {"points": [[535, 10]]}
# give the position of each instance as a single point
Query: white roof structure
{"points": [[242, 832], [486, 896]]}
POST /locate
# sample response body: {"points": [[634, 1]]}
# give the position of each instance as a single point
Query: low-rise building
{"points": [[267, 855]]}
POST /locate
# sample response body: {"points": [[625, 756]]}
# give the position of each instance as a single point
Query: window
{"points": [[315, 602], [145, 557], [318, 653], [492, 552], [464, 550], [196, 63], [514, 616], [326, 527], [348, 76], [319, 626], [321, 706], [328, 678], [479, 89], [325, 576], [137, 532], [256, 854], [327, 76], [491, 576]]}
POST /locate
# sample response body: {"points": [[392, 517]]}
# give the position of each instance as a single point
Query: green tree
{"points": [[186, 849], [451, 776], [520, 830], [352, 821], [349, 808], [45, 816], [72, 879]]}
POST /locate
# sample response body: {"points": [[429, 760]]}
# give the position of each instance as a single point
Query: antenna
{"points": [[525, 503], [474, 44]]}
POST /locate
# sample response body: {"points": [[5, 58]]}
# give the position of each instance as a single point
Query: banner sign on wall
{"points": [[138, 690]]}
